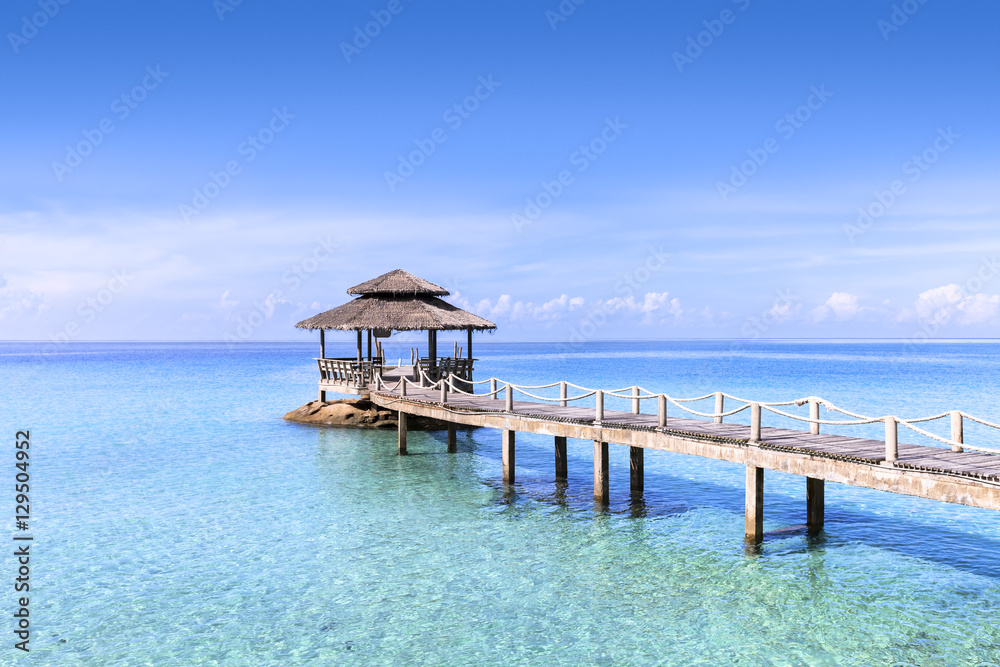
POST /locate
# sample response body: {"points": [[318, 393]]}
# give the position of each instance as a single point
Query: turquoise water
{"points": [[178, 520]]}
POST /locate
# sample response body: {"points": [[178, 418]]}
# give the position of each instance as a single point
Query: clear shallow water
{"points": [[180, 521]]}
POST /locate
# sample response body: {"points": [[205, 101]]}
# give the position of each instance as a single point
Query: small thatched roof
{"points": [[398, 313], [400, 283]]}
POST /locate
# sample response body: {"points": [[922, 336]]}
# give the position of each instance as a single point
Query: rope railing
{"points": [[450, 383]]}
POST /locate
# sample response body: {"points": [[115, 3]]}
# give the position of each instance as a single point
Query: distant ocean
{"points": [[178, 520]]}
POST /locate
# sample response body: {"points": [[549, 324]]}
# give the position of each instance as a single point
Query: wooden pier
{"points": [[955, 475], [442, 388]]}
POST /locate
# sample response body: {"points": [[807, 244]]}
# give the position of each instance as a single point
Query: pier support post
{"points": [[636, 474], [452, 439], [561, 467], [322, 396], [601, 471], [508, 456], [814, 504], [401, 420], [755, 504]]}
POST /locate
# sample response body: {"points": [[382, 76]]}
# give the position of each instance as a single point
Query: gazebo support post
{"points": [[369, 346], [359, 347], [469, 347], [432, 351], [322, 355]]}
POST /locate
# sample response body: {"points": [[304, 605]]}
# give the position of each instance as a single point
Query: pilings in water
{"points": [[755, 504], [601, 471], [814, 504], [402, 433], [562, 470], [754, 497], [635, 469], [508, 456]]}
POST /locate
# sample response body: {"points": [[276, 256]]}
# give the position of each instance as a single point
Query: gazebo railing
{"points": [[447, 366], [348, 371]]}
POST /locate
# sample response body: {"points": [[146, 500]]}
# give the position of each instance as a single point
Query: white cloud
{"points": [[505, 308], [780, 311], [19, 302], [652, 304], [842, 305], [943, 304], [225, 302], [980, 308]]}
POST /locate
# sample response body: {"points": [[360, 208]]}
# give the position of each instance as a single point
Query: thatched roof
{"points": [[399, 282], [398, 313]]}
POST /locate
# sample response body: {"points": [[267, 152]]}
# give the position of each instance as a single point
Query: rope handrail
{"points": [[553, 400], [637, 393], [947, 441], [634, 397], [708, 414], [809, 420], [690, 400], [924, 419], [980, 421], [538, 386]]}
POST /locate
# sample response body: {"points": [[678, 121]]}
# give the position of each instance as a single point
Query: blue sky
{"points": [[571, 171]]}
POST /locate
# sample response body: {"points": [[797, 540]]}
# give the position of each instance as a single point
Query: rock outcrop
{"points": [[358, 413]]}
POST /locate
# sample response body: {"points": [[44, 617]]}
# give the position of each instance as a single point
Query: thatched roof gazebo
{"points": [[395, 301]]}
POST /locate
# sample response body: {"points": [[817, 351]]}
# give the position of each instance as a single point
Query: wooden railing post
{"points": [[444, 388], [635, 401], [402, 387], [599, 413], [891, 440], [813, 414], [755, 423], [957, 430], [509, 397], [720, 406], [661, 411], [562, 394]]}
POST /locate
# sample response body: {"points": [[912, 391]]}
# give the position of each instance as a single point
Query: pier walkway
{"points": [[956, 472]]}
